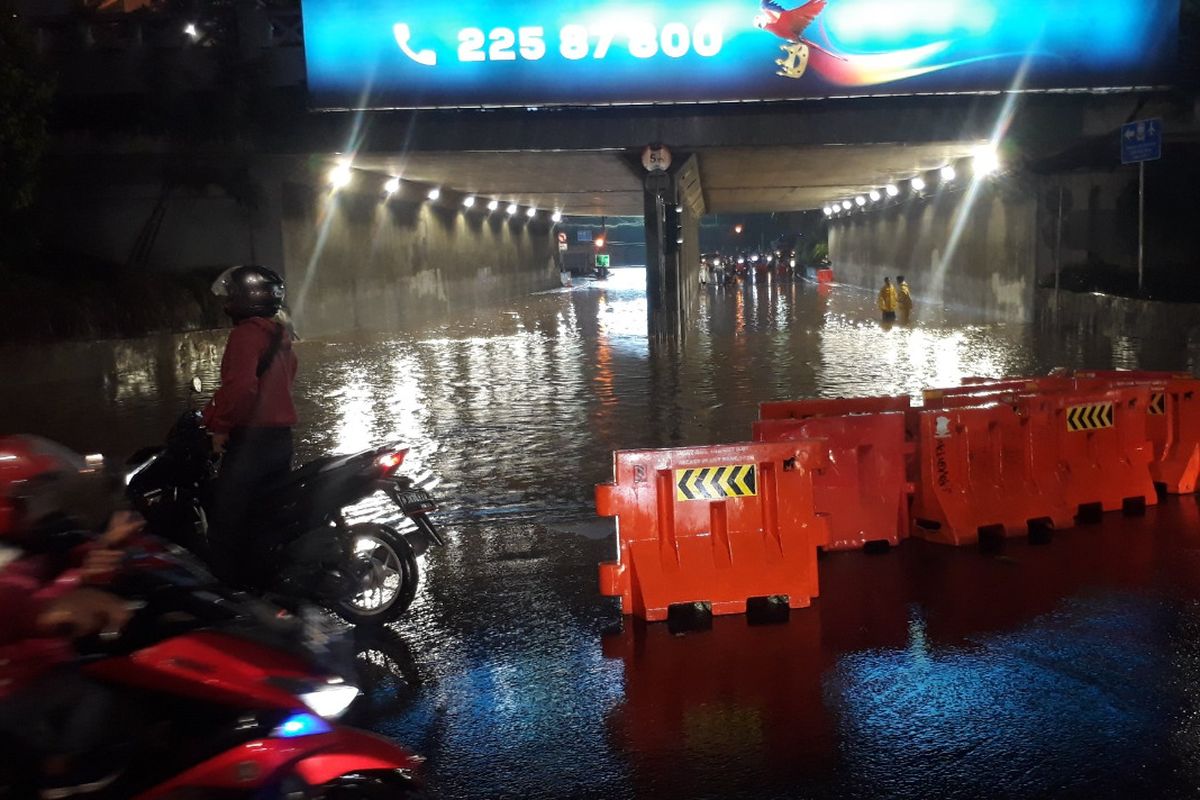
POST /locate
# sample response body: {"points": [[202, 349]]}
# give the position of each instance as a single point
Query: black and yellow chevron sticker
{"points": [[1090, 417], [714, 483], [1158, 403]]}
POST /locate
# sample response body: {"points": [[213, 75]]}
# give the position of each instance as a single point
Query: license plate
{"points": [[415, 501]]}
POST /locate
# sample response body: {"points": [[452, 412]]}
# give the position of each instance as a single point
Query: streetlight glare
{"points": [[986, 161], [737, 228], [340, 176]]}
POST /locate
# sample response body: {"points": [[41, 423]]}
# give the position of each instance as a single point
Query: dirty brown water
{"points": [[1070, 669]]}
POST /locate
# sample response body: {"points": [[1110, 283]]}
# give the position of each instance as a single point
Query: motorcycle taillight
{"points": [[390, 462]]}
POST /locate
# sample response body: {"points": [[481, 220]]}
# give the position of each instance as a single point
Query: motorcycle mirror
{"points": [[197, 386]]}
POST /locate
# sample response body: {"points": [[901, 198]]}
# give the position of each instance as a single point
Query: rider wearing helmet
{"points": [[49, 498], [251, 415]]}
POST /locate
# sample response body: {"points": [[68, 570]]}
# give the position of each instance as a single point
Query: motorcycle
{"points": [[367, 573], [225, 697]]}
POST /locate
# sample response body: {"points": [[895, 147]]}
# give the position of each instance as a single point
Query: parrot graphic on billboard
{"points": [[787, 25]]}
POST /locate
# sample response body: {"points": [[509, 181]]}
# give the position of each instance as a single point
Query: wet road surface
{"points": [[1067, 669]]}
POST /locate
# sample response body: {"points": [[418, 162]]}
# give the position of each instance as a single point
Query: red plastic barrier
{"points": [[977, 475], [825, 275], [862, 485], [718, 524], [839, 407], [1093, 444]]}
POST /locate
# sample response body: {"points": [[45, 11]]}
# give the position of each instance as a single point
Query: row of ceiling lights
{"points": [[985, 162], [341, 176]]}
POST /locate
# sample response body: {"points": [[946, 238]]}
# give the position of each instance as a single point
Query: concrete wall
{"points": [[358, 263], [973, 250], [99, 207]]}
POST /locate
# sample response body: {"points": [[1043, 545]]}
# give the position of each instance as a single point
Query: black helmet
{"points": [[250, 291]]}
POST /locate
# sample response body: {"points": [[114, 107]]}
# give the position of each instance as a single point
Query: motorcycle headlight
{"points": [[330, 700]]}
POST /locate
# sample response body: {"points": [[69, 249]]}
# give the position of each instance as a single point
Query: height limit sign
{"points": [[1141, 141]]}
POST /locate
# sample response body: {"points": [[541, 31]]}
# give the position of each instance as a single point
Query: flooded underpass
{"points": [[1069, 669]]}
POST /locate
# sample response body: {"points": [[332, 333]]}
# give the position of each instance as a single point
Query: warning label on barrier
{"points": [[1158, 403], [714, 483], [1090, 417]]}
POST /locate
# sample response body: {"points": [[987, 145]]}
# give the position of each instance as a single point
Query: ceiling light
{"points": [[845, 205], [512, 209], [556, 216], [340, 176], [986, 161], [860, 201], [917, 183], [947, 173], [827, 210], [875, 195], [892, 190], [434, 193], [531, 212], [493, 205], [469, 200], [392, 186]]}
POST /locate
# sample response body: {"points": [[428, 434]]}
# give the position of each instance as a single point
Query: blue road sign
{"points": [[1141, 141]]}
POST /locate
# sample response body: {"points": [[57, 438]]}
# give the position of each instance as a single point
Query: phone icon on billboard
{"points": [[426, 57]]}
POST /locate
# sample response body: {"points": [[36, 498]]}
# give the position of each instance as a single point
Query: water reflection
{"points": [[905, 664]]}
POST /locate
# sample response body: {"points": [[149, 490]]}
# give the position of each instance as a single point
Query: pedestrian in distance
{"points": [[904, 299], [888, 301]]}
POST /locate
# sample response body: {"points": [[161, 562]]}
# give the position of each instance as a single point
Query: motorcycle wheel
{"points": [[390, 572]]}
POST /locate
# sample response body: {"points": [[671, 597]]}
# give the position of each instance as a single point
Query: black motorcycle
{"points": [[367, 573]]}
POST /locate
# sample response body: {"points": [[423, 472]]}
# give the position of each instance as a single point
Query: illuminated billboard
{"points": [[467, 53]]}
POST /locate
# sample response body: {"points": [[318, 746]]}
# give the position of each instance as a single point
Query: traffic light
{"points": [[673, 228]]}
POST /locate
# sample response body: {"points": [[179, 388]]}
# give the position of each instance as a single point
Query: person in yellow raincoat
{"points": [[904, 299], [888, 301]]}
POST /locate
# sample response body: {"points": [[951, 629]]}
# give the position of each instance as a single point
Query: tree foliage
{"points": [[25, 96]]}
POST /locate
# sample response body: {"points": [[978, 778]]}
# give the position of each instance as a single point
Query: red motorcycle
{"points": [[227, 697]]}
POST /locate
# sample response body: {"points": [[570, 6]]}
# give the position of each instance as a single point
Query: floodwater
{"points": [[1068, 669]]}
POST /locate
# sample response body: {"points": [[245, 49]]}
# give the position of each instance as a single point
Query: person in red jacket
{"points": [[51, 571], [251, 415]]}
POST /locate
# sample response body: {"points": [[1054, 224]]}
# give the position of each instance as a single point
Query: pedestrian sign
{"points": [[602, 260], [1141, 141]]}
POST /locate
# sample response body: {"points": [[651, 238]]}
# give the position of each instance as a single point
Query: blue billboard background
{"points": [[409, 54]]}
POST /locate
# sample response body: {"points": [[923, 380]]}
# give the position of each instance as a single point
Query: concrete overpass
{"points": [[744, 158]]}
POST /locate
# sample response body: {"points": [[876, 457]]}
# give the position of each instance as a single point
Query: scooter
{"points": [[225, 698], [367, 573]]}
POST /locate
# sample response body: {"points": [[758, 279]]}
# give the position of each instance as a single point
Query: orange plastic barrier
{"points": [[977, 476], [842, 406], [1093, 444], [1172, 422], [718, 525], [1176, 410], [861, 485]]}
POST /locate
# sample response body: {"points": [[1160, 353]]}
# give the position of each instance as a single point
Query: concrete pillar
{"points": [[661, 302]]}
